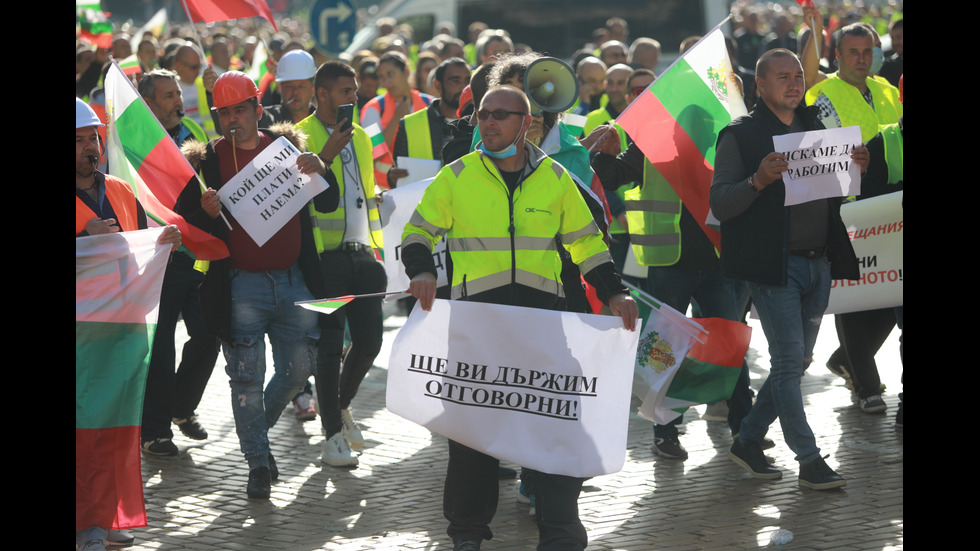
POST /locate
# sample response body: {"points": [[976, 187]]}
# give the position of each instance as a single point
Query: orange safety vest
{"points": [[123, 202], [386, 105]]}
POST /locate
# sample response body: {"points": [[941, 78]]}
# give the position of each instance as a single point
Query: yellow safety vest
{"points": [[851, 107], [204, 109], [419, 135], [653, 211], [329, 228], [894, 152], [497, 239]]}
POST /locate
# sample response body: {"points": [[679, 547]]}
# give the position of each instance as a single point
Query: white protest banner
{"points": [[820, 164], [268, 192], [543, 389], [875, 227], [395, 211]]}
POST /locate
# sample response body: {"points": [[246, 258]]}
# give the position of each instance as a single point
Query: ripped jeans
{"points": [[262, 302], [790, 316]]}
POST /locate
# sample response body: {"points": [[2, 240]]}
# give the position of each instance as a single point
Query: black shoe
{"points": [[749, 456], [669, 446], [817, 475], [259, 483], [273, 468], [191, 428], [467, 545], [160, 446]]}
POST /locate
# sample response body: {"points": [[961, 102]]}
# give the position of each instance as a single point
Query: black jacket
{"points": [[754, 243]]}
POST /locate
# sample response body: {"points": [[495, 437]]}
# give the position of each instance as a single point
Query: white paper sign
{"points": [[875, 227], [270, 191], [419, 169], [820, 164], [543, 389], [395, 211]]}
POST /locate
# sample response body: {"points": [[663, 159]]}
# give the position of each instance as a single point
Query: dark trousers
{"points": [[861, 335], [471, 493], [348, 273], [170, 394]]}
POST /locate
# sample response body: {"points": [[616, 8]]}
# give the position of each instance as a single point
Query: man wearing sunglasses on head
{"points": [[501, 208]]}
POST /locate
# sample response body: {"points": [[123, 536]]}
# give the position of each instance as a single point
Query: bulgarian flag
{"points": [[96, 29], [681, 362], [711, 368], [118, 277], [210, 11], [131, 65], [676, 121], [327, 305], [142, 153]]}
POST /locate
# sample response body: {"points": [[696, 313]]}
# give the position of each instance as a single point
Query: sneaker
{"points": [[841, 371], [273, 468], [119, 538], [91, 539], [191, 428], [525, 496], [749, 456], [817, 475], [669, 446], [259, 483], [336, 452], [350, 430], [873, 404], [467, 545], [303, 404], [160, 446], [717, 411]]}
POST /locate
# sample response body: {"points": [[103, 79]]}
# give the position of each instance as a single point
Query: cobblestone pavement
{"points": [[393, 500]]}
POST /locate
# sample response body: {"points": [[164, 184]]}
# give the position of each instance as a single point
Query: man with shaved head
{"points": [[465, 204]]}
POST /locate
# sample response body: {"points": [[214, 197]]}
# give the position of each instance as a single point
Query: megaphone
{"points": [[551, 85]]}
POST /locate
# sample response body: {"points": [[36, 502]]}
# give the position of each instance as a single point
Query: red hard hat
{"points": [[233, 87]]}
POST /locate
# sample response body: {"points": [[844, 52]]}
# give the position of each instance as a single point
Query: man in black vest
{"points": [[787, 254]]}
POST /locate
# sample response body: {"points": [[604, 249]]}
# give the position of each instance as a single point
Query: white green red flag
{"points": [[258, 69], [95, 28], [142, 153], [118, 277], [681, 362], [676, 121], [327, 305]]}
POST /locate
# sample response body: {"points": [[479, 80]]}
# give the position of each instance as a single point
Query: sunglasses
{"points": [[499, 114]]}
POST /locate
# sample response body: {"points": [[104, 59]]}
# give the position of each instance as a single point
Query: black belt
{"points": [[810, 254], [353, 247]]}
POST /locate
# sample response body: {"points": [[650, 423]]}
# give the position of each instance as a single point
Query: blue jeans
{"points": [[790, 316], [714, 296], [262, 302]]}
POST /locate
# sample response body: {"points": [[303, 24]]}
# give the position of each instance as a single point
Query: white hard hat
{"points": [[85, 116], [295, 65]]}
